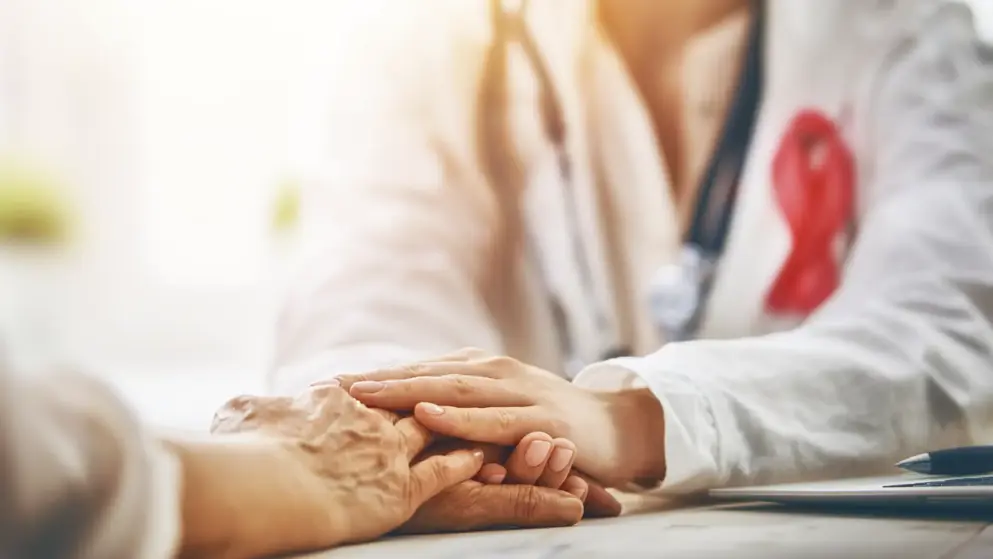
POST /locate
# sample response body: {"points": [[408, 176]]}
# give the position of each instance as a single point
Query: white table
{"points": [[657, 529]]}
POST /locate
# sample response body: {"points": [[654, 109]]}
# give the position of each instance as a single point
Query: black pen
{"points": [[965, 461]]}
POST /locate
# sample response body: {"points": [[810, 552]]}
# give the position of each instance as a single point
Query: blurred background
{"points": [[148, 158]]}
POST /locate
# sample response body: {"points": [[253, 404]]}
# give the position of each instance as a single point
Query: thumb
{"points": [[437, 473]]}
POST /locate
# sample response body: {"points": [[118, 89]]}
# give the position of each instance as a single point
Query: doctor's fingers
{"points": [[498, 425], [430, 367], [450, 390], [406, 372], [466, 363]]}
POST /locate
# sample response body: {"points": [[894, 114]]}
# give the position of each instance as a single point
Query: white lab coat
{"points": [[403, 235]]}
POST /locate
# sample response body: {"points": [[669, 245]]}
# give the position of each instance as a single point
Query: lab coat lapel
{"points": [[561, 210], [640, 213]]}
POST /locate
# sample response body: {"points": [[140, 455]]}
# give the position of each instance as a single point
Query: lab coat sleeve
{"points": [[397, 217], [900, 360], [80, 478]]}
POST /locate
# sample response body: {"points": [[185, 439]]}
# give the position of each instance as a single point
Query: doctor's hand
{"points": [[499, 400]]}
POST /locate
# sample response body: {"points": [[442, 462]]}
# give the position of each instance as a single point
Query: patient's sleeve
{"points": [[79, 477]]}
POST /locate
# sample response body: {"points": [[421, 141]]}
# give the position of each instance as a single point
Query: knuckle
{"points": [[476, 510], [441, 470], [240, 403], [527, 500], [324, 392], [246, 412], [461, 386], [472, 353], [558, 427], [500, 365], [347, 381], [388, 415], [504, 419], [233, 414], [414, 369], [500, 361]]}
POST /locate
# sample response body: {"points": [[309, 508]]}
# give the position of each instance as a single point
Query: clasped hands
{"points": [[501, 443]]}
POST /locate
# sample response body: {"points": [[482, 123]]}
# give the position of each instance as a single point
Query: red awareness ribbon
{"points": [[813, 177]]}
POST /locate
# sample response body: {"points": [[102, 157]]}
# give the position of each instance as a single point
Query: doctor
{"points": [[757, 236]]}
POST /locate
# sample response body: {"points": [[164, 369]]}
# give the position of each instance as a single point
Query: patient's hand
{"points": [[290, 474], [523, 487]]}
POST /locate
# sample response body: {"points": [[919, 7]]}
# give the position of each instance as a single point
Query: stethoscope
{"points": [[679, 292], [510, 27]]}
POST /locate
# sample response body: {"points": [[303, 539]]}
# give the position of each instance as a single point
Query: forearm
{"points": [[826, 402], [844, 396], [244, 496]]}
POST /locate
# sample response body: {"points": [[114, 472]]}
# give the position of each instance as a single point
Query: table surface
{"points": [[657, 528]]}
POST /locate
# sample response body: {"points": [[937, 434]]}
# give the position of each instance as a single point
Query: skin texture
{"points": [[500, 400], [344, 473], [285, 475], [501, 496]]}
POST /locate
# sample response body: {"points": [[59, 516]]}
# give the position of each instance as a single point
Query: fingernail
{"points": [[432, 409], [495, 479], [579, 491], [368, 386], [537, 453], [478, 453], [560, 459]]}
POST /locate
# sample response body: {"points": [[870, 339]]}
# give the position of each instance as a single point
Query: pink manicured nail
{"points": [[432, 409], [560, 459], [368, 386], [537, 453]]}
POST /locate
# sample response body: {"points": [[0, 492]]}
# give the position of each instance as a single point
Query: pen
{"points": [[965, 461]]}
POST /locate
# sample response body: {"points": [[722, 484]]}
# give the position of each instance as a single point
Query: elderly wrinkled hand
{"points": [[353, 474]]}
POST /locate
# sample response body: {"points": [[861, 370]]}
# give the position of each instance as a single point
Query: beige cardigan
{"points": [[80, 476]]}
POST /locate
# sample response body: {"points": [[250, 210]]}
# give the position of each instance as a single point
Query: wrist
{"points": [[640, 426], [247, 497]]}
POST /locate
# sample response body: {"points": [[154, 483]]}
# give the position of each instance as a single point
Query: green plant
{"points": [[286, 208], [33, 209]]}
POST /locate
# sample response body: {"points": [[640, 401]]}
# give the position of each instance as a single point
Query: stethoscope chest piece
{"points": [[675, 293]]}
